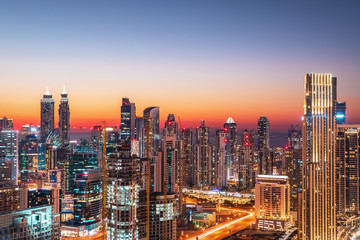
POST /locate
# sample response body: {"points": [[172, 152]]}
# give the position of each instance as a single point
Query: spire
{"points": [[47, 91], [230, 120], [64, 90]]}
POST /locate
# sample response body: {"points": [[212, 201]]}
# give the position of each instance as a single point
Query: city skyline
{"points": [[199, 63]]}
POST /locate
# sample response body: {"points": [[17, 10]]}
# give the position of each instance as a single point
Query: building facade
{"points": [[47, 115], [318, 220]]}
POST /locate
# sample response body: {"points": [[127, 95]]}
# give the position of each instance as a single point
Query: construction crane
{"points": [[148, 180], [104, 185]]}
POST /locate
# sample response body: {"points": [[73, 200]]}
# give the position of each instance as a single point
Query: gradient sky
{"points": [[197, 59]]}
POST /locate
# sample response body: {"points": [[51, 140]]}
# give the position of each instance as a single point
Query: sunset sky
{"points": [[197, 59]]}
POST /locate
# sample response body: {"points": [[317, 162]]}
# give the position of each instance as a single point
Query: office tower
{"points": [[123, 194], [64, 118], [319, 129], [163, 216], [127, 125], [9, 198], [347, 169], [47, 115], [340, 112], [28, 157], [246, 160], [230, 128], [9, 157], [203, 157], [172, 156], [220, 162], [272, 207], [263, 133], [78, 162], [153, 114], [88, 200], [6, 124], [188, 157], [31, 223], [293, 169], [294, 137]]}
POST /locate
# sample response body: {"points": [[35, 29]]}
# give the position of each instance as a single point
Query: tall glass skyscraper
{"points": [[127, 125], [319, 128], [64, 118], [263, 133], [47, 115]]}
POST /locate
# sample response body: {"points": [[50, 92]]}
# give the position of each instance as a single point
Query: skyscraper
{"points": [[347, 169], [319, 129], [189, 168], [246, 160], [203, 156], [230, 128], [263, 133], [64, 118], [47, 115], [221, 176], [9, 163], [123, 194], [153, 114], [340, 112], [127, 125]]}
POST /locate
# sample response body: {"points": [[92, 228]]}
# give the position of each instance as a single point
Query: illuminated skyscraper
{"points": [[64, 118], [127, 125], [203, 156], [9, 163], [263, 133], [230, 128], [246, 160], [220, 163], [47, 115], [123, 194], [319, 130], [340, 112], [189, 168], [153, 114], [347, 169]]}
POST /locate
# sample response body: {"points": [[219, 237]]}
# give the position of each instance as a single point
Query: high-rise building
{"points": [[188, 157], [272, 207], [127, 125], [9, 157], [220, 162], [263, 133], [340, 112], [246, 161], [230, 129], [78, 162], [163, 216], [47, 115], [64, 118], [30, 129], [153, 114], [123, 194], [347, 169], [28, 157], [318, 220], [203, 157], [88, 200], [6, 124], [172, 164]]}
